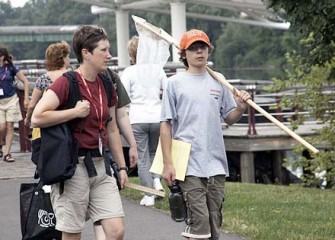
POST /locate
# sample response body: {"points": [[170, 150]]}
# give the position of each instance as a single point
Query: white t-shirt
{"points": [[144, 85]]}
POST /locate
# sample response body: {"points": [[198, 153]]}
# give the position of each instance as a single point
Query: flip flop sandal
{"points": [[8, 158]]}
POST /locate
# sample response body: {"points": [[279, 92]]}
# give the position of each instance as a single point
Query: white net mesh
{"points": [[151, 48], [152, 54]]}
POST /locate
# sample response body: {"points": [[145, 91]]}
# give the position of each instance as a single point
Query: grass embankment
{"points": [[258, 211]]}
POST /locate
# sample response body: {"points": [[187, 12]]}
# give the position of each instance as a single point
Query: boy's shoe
{"points": [[147, 200]]}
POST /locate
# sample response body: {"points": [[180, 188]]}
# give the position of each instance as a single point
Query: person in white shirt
{"points": [[144, 114]]}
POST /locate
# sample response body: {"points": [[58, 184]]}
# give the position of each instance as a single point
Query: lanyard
{"points": [[100, 99], [4, 75]]}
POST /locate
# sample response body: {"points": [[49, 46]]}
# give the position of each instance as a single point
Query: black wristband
{"points": [[122, 168]]}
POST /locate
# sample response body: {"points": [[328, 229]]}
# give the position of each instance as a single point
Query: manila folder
{"points": [[180, 153]]}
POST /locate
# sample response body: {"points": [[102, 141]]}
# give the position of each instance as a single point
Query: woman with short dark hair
{"points": [[95, 195]]}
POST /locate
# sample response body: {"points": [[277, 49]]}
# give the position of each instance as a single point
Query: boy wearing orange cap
{"points": [[194, 104]]}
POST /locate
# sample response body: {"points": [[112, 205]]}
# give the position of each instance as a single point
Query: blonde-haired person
{"points": [[144, 114], [132, 49], [10, 111], [57, 61]]}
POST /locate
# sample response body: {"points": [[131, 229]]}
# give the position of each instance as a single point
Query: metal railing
{"points": [[268, 101]]}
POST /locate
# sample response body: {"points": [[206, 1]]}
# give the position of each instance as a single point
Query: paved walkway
{"points": [[142, 223]]}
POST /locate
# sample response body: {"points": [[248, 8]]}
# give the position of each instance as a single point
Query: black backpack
{"points": [[58, 154], [74, 96], [74, 92]]}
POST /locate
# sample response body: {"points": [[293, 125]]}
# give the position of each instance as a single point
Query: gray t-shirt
{"points": [[196, 104]]}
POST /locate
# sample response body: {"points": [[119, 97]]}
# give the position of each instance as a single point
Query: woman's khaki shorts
{"points": [[10, 109], [98, 197]]}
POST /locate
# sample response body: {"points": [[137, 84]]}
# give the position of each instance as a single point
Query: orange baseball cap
{"points": [[192, 36]]}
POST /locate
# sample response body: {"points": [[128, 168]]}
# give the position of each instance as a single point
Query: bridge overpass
{"points": [[251, 12], [36, 33]]}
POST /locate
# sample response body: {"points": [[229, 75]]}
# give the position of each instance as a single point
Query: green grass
{"points": [[258, 211]]}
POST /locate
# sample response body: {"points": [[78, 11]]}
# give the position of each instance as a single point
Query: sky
{"points": [[16, 3]]}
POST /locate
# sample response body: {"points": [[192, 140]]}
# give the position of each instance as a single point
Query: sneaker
{"points": [[147, 201], [158, 185]]}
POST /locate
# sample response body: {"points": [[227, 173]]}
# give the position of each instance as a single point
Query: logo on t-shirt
{"points": [[215, 93]]}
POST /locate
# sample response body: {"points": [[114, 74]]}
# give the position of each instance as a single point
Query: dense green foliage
{"points": [[315, 70], [56, 12], [313, 20], [252, 52], [319, 87], [241, 51]]}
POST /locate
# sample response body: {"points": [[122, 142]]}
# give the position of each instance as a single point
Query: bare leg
{"points": [[2, 133], [71, 236], [2, 136], [113, 228], [99, 232], [197, 238], [9, 136]]}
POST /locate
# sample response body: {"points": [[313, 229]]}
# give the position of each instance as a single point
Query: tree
{"points": [[313, 69], [6, 12], [320, 105], [42, 12], [313, 20], [253, 52]]}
